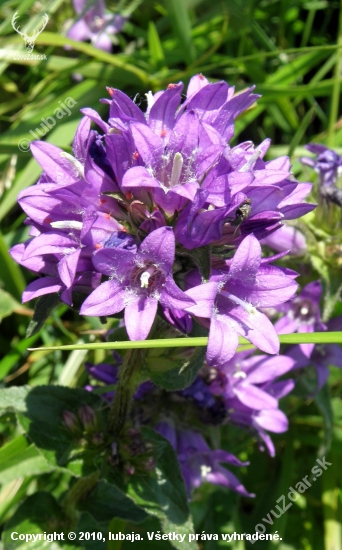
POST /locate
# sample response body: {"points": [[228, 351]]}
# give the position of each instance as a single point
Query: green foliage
{"points": [[164, 494], [163, 373], [291, 51], [42, 311]]}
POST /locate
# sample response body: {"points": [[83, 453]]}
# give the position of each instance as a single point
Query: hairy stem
{"points": [[127, 383], [82, 487]]}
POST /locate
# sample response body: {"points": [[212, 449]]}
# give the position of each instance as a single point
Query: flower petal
{"points": [[222, 343], [140, 313], [107, 299]]}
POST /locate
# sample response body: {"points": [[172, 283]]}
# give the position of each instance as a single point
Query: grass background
{"points": [[291, 51]]}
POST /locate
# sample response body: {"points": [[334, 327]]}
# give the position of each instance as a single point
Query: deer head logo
{"points": [[29, 39]]}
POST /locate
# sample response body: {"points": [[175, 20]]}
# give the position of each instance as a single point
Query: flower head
{"points": [[149, 199], [302, 314], [248, 385], [322, 357], [138, 282], [95, 25], [231, 301], [328, 164], [198, 462]]}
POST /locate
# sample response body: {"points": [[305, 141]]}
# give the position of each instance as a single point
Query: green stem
{"points": [[127, 383], [335, 97], [78, 491]]}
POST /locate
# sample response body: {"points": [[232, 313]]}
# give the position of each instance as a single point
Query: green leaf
{"points": [[298, 136], [7, 304], [107, 501], [155, 47], [11, 274], [202, 258], [20, 459], [179, 377], [323, 402], [54, 39], [87, 524], [44, 306], [163, 494], [39, 513], [13, 399], [16, 354], [42, 421], [181, 24]]}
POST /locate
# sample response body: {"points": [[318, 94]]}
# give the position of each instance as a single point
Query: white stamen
{"points": [[67, 224], [150, 100], [99, 21], [246, 306], [144, 279], [304, 310], [176, 169], [76, 163], [239, 374], [205, 470], [251, 161]]}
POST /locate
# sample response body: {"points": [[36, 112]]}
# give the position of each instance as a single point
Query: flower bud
{"points": [[97, 439], [129, 469], [71, 421], [149, 464], [88, 418]]}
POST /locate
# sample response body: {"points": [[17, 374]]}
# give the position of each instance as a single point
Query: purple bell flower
{"points": [[302, 314], [95, 25], [248, 385], [231, 303], [327, 163], [138, 282], [198, 462], [287, 239], [322, 357]]}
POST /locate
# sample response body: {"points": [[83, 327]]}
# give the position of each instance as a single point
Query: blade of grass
{"points": [[11, 273], [309, 338], [335, 96], [331, 507], [180, 22], [301, 130], [53, 39]]}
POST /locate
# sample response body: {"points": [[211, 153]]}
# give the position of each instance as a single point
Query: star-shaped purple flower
{"points": [[198, 462], [95, 25], [248, 385], [322, 357], [138, 281], [302, 314], [231, 300]]}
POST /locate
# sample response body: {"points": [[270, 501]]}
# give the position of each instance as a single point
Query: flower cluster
{"points": [[155, 212]]}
